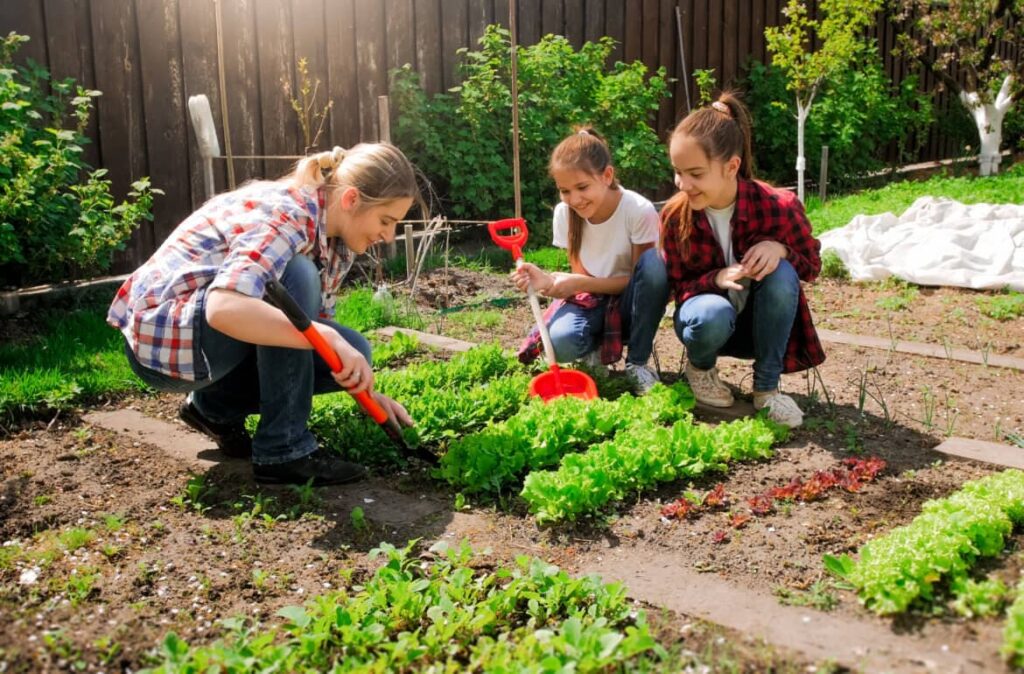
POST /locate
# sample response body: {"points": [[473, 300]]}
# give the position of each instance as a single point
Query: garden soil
{"points": [[170, 567]]}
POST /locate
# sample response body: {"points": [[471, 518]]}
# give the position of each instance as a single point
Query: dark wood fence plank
{"points": [[199, 73], [716, 38], [243, 92], [700, 40], [574, 22], [481, 15], [401, 40], [454, 34], [69, 46], [275, 53], [528, 21], [633, 32], [311, 44], [757, 31], [552, 17], [341, 72], [163, 95], [501, 12], [119, 110], [615, 27], [593, 20], [25, 18], [371, 63], [730, 40], [649, 34], [669, 57], [744, 41], [428, 45]]}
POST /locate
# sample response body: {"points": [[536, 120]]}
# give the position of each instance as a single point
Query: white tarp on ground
{"points": [[937, 242]]}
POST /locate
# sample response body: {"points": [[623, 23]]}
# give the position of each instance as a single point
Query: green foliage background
{"points": [[58, 218], [462, 139], [858, 114]]}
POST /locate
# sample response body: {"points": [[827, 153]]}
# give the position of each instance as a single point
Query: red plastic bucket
{"points": [[574, 383]]}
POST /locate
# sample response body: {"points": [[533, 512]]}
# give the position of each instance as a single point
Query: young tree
{"points": [[969, 35], [839, 33]]}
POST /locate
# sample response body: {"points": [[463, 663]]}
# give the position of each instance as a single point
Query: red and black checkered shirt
{"points": [[762, 213]]}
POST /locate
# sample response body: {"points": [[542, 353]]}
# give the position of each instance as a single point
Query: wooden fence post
{"points": [[410, 253], [384, 135]]}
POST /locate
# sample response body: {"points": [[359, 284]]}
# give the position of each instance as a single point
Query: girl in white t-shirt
{"points": [[617, 288]]}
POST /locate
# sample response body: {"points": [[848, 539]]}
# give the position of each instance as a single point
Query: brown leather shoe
{"points": [[232, 439]]}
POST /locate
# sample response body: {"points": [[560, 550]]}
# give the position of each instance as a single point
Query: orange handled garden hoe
{"points": [[280, 298]]}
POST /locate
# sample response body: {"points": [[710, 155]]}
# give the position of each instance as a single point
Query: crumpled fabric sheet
{"points": [[936, 242]]}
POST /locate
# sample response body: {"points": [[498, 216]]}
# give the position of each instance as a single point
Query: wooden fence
{"points": [[149, 56]]}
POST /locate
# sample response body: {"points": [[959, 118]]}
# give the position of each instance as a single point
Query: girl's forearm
{"points": [[251, 320], [612, 285]]}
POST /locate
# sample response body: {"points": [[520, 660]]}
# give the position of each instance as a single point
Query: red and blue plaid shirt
{"points": [[762, 213], [238, 241]]}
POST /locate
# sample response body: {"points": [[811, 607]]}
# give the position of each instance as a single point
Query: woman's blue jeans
{"points": [[708, 326], [576, 331], [276, 382]]}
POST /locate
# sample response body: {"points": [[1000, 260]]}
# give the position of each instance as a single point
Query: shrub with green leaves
{"points": [[58, 218], [463, 138], [857, 115]]}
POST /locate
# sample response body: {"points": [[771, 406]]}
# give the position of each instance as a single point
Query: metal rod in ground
{"points": [[410, 253], [682, 56], [823, 176], [515, 109]]}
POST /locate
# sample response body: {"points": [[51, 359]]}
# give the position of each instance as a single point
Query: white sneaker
{"points": [[707, 387], [643, 376], [781, 408]]}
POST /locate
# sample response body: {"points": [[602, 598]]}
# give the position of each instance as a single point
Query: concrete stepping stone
{"points": [[919, 349], [980, 450], [868, 644]]}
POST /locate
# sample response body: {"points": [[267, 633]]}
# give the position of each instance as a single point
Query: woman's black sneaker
{"points": [[322, 467], [232, 439]]}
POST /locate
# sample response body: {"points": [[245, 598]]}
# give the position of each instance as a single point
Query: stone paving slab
{"points": [[980, 450], [437, 341], [919, 349], [178, 441], [868, 645]]}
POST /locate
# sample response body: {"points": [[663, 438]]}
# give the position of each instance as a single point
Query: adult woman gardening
{"points": [[194, 320], [736, 250]]}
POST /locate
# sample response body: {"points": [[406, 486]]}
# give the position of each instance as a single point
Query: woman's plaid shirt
{"points": [[238, 241], [762, 213]]}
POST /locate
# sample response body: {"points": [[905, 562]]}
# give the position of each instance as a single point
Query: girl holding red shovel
{"points": [[194, 319], [617, 284]]}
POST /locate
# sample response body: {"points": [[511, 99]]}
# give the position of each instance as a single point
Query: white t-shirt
{"points": [[721, 227], [607, 247]]}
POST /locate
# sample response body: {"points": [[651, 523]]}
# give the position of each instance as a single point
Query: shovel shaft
{"points": [[280, 297]]}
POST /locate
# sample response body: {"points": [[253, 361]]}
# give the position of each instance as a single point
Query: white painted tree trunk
{"points": [[988, 117], [802, 110]]}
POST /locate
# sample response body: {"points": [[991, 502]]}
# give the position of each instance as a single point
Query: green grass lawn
{"points": [[1005, 188], [76, 357]]}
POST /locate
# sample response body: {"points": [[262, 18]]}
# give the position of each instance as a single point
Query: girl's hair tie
{"points": [[330, 160], [722, 108]]}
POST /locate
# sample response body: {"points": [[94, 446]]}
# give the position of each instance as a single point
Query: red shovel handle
{"points": [[280, 297], [510, 234]]}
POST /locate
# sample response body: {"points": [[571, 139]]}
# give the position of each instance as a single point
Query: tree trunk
{"points": [[988, 117], [802, 110]]}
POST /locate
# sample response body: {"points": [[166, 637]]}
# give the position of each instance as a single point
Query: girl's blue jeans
{"points": [[278, 383], [708, 326], [576, 331]]}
